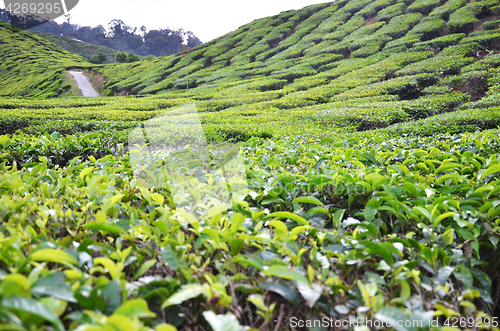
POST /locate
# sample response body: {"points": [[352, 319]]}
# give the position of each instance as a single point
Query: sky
{"points": [[207, 19]]}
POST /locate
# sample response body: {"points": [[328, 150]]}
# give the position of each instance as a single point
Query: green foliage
{"points": [[353, 24], [463, 19], [398, 26], [121, 57], [388, 13], [374, 7], [403, 87], [440, 42], [423, 6], [469, 120], [131, 57], [99, 58], [437, 90], [31, 66], [465, 50], [367, 50], [371, 152], [430, 28], [82, 49], [489, 62], [488, 41], [446, 9], [315, 204], [404, 43], [493, 25], [443, 64]]}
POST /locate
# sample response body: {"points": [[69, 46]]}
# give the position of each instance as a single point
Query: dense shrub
{"points": [[321, 60], [131, 57], [363, 41], [343, 30], [398, 26], [365, 31], [465, 50], [445, 65], [492, 25], [99, 58], [406, 41], [440, 42], [403, 87], [429, 28], [434, 104], [423, 6], [488, 41], [454, 122], [367, 50], [492, 61], [437, 90], [463, 19], [388, 13], [449, 7], [374, 7], [353, 6], [121, 57]]}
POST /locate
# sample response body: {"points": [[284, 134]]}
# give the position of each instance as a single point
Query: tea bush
{"points": [[398, 26], [446, 9], [374, 7], [367, 50], [440, 42], [387, 13], [429, 28], [488, 41], [444, 64], [463, 19], [491, 25], [372, 180], [423, 6]]}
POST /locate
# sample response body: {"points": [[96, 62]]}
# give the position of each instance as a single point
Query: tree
{"points": [[131, 57], [192, 40], [121, 57], [117, 28], [123, 37], [143, 31], [3, 15], [163, 42], [98, 58]]}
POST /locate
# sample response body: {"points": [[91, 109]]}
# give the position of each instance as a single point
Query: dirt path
{"points": [[84, 84]]}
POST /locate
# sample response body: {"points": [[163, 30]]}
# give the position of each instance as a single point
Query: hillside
{"points": [[319, 47], [396, 60], [326, 165], [123, 37], [85, 50], [31, 66]]}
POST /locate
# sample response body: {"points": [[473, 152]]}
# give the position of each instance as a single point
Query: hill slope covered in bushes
{"points": [[369, 138], [31, 66]]}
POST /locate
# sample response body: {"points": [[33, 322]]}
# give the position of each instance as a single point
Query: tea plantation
{"points": [[369, 135]]}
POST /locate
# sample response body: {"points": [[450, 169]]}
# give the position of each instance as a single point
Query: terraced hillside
{"points": [[394, 60], [368, 148], [83, 49], [319, 53], [31, 66]]}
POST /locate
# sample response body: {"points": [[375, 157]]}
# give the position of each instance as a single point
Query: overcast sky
{"points": [[207, 19]]}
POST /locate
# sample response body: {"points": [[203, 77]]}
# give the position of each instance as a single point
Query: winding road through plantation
{"points": [[84, 84]]}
